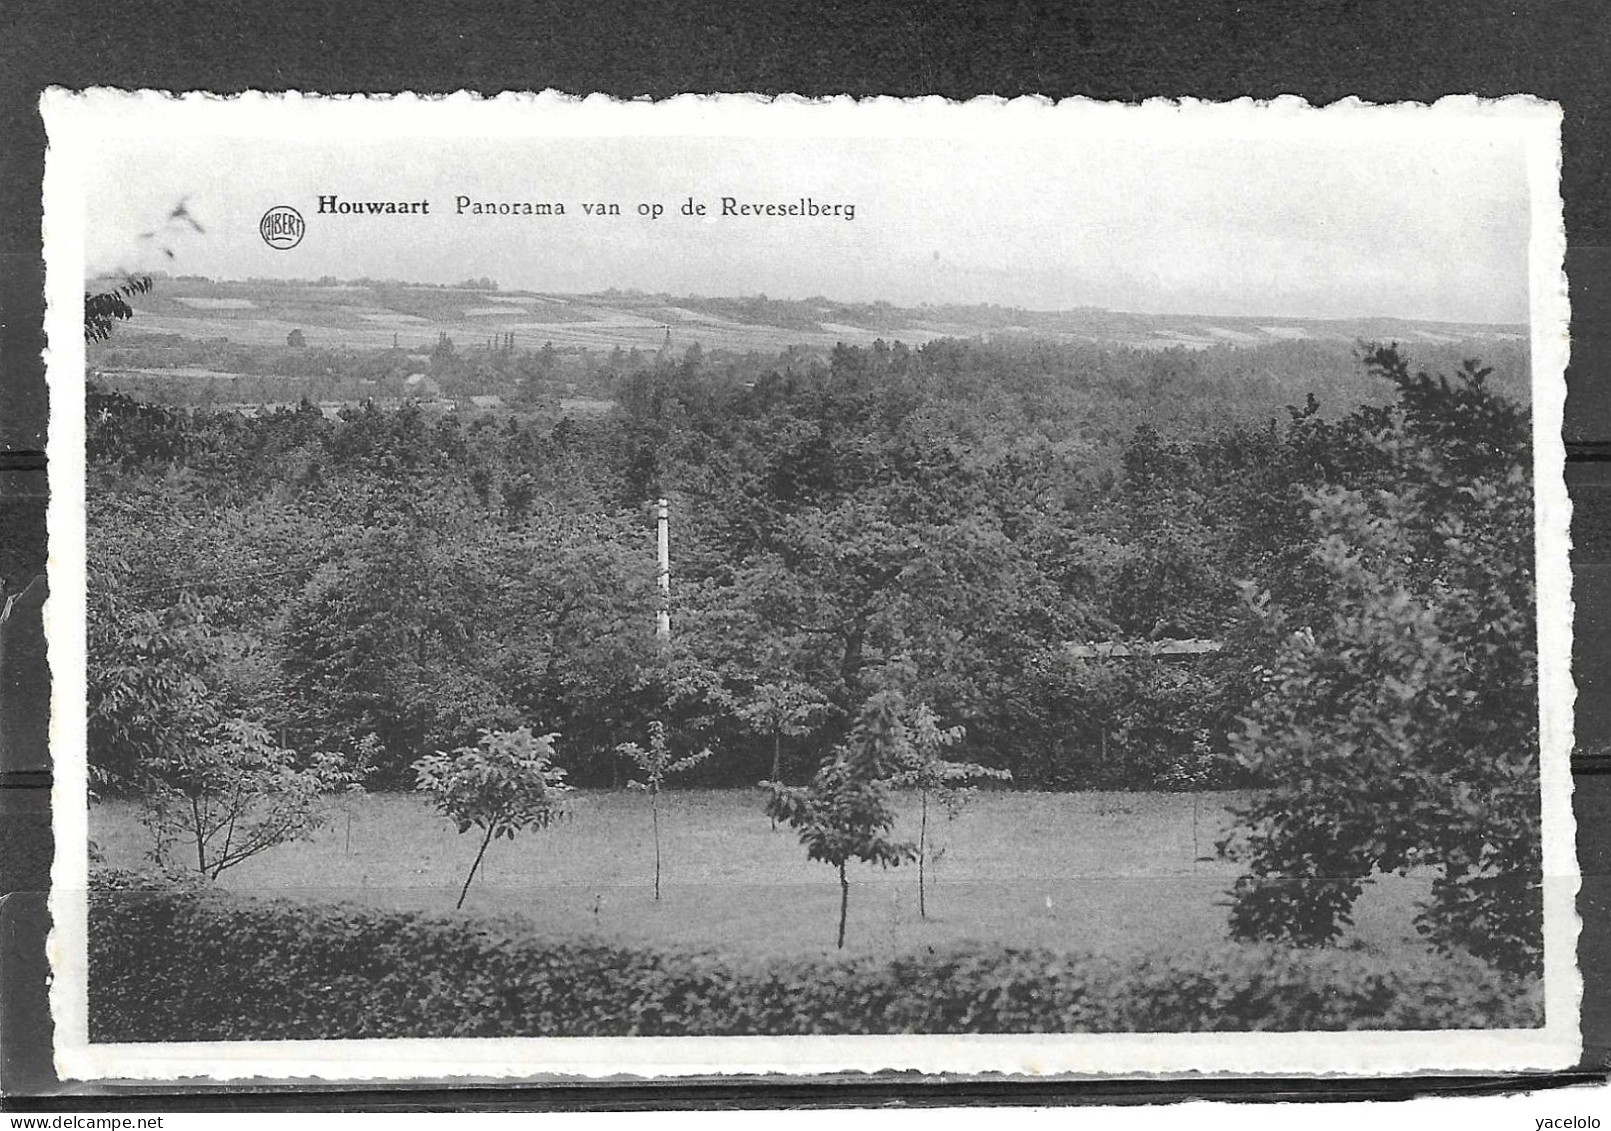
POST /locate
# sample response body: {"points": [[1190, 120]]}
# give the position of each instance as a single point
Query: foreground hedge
{"points": [[179, 963]]}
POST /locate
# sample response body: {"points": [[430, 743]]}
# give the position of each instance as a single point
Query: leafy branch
{"points": [[104, 309]]}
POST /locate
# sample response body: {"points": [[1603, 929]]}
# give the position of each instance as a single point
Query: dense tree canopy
{"points": [[940, 525], [943, 520]]}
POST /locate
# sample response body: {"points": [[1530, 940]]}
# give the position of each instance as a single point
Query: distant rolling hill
{"points": [[374, 315]]}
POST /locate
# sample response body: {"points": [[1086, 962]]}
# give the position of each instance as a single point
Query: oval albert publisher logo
{"points": [[281, 227]]}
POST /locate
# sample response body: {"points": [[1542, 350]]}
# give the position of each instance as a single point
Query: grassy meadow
{"points": [[1112, 873]]}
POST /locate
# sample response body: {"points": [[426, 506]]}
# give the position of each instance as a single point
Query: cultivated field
{"points": [[363, 316], [1111, 872]]}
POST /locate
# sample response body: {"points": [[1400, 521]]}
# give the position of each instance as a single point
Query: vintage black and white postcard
{"points": [[549, 587]]}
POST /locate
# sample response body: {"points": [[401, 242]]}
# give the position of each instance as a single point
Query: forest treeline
{"points": [[943, 521]]}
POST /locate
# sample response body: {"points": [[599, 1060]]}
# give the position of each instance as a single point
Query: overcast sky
{"points": [[1431, 225]]}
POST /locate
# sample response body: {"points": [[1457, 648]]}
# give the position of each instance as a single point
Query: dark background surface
{"points": [[1323, 50]]}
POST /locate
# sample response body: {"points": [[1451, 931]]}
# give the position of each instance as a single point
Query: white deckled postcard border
{"points": [[76, 120]]}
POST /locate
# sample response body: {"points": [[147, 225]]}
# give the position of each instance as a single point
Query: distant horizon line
{"points": [[634, 292]]}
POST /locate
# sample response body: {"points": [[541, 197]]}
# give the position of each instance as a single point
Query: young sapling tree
{"points": [[353, 793], [657, 765], [785, 708], [920, 756], [505, 783], [232, 794], [1190, 773], [164, 727], [846, 813], [779, 710]]}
